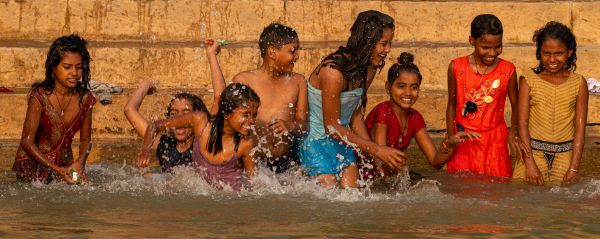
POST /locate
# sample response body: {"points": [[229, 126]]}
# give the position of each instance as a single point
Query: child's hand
{"points": [[461, 137], [279, 126], [149, 85], [571, 177], [396, 159], [212, 47], [517, 144], [80, 169], [144, 159], [533, 174], [66, 175]]}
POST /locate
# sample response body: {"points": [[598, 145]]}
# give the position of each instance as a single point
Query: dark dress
{"points": [[53, 138]]}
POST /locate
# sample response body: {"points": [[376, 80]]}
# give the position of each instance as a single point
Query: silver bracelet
{"points": [[573, 170]]}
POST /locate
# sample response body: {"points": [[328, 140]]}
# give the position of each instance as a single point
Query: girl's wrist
{"points": [[573, 170]]}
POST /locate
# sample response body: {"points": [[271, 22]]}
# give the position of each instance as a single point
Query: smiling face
{"points": [[242, 118], [405, 90], [487, 48], [68, 72], [554, 55], [285, 57], [382, 48], [180, 107]]}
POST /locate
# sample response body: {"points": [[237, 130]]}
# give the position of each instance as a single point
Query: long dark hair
{"points": [[234, 96], [405, 64], [354, 59], [558, 31], [72, 43], [364, 35]]}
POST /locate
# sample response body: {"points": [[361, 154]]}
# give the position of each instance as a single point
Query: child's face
{"points": [[554, 55], [405, 90], [487, 48], [285, 57], [382, 48], [68, 72], [242, 118], [180, 107]]}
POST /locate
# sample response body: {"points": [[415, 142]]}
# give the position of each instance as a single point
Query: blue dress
{"points": [[321, 153]]}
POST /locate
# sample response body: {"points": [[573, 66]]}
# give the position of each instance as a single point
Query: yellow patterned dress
{"points": [[551, 125]]}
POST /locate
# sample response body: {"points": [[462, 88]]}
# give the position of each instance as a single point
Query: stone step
{"points": [[187, 67], [315, 20], [110, 123]]}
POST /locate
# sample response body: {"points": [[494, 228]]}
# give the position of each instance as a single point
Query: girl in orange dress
{"points": [[477, 88]]}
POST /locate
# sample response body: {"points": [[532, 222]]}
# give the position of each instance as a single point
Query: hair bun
{"points": [[405, 58]]}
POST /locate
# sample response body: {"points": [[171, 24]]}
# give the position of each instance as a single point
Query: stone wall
{"points": [[161, 39]]}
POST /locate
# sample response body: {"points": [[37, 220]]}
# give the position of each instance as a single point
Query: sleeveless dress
{"points": [[169, 156], [551, 125], [488, 155], [321, 153], [395, 138], [228, 174], [53, 138]]}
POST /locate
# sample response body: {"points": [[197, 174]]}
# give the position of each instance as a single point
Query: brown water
{"points": [[121, 203]]}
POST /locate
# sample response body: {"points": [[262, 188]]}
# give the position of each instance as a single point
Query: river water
{"points": [[119, 202]]}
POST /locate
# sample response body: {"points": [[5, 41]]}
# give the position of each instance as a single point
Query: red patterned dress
{"points": [[395, 138], [488, 155], [53, 138]]}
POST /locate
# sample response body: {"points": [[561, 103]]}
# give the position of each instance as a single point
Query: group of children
{"points": [[276, 118]]}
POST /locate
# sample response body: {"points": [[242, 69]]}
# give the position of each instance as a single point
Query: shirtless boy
{"points": [[283, 95]]}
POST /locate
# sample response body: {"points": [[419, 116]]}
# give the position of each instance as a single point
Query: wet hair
{"points": [[354, 59], [366, 31], [234, 96], [557, 31], [405, 64], [197, 103], [486, 24], [74, 44], [275, 35]]}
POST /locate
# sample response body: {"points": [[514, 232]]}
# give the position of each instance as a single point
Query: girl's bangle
{"points": [[573, 170]]}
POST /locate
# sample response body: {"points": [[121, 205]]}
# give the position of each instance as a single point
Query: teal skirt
{"points": [[325, 156]]}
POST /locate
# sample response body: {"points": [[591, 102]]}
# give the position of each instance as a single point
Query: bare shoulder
{"points": [[244, 77], [298, 78], [246, 145], [330, 75]]}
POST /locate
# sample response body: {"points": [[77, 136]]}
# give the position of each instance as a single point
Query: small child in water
{"points": [[58, 107], [282, 115], [478, 85], [174, 148], [221, 148], [553, 104], [394, 123]]}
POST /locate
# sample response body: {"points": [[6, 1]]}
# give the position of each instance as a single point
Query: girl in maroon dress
{"points": [[57, 108], [394, 123]]}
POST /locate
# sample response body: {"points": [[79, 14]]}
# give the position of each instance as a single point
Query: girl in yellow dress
{"points": [[553, 102]]}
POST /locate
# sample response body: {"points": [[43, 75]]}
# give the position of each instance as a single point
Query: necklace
{"points": [[477, 68], [62, 108]]}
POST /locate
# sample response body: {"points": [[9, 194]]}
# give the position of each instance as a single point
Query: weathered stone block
{"points": [[32, 19], [441, 21]]}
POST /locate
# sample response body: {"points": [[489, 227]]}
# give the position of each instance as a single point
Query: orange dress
{"points": [[488, 155]]}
